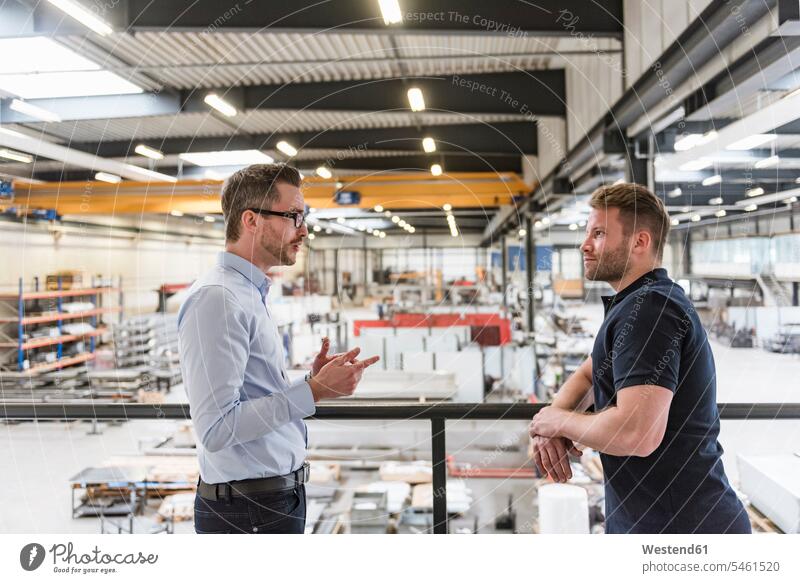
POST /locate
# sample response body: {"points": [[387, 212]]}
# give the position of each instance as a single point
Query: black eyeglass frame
{"points": [[299, 217]]}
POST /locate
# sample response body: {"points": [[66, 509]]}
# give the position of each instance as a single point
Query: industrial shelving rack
{"points": [[18, 318]]}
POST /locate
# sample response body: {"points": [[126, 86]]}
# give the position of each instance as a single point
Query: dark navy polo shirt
{"points": [[651, 335]]}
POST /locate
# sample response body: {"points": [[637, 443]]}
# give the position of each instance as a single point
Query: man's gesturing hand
{"points": [[323, 357], [340, 376]]}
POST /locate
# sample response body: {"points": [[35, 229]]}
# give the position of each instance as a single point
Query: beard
{"points": [[611, 265], [280, 249]]}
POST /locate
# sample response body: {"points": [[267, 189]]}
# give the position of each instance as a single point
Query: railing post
{"points": [[439, 486]]}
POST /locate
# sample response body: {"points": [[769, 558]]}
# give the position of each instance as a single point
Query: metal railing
{"points": [[437, 413]]}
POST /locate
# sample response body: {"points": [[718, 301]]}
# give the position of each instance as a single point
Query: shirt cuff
{"points": [[300, 400]]}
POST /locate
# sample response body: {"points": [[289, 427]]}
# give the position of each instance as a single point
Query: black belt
{"points": [[255, 486]]}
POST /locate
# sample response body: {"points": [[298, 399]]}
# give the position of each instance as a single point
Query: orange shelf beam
{"points": [[59, 317]]}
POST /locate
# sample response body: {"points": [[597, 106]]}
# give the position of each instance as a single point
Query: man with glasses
{"points": [[248, 416]]}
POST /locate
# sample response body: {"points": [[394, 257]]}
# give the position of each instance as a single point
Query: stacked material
{"points": [[772, 482], [63, 385], [563, 509], [150, 340]]}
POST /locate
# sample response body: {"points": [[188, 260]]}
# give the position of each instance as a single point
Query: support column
{"points": [[504, 264], [336, 272], [530, 264]]}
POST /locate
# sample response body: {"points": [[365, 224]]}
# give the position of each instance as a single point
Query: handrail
{"points": [[352, 410], [438, 413]]}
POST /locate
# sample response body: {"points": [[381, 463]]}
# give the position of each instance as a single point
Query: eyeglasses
{"points": [[298, 217]]}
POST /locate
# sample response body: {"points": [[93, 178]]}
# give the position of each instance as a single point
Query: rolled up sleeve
{"points": [[214, 336]]}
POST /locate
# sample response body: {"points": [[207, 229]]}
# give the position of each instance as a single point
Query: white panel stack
{"points": [[563, 509], [772, 482]]}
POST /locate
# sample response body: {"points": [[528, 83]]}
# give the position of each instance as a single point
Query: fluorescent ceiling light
{"points": [[573, 226], [415, 99], [390, 10], [12, 133], [226, 158], [106, 177], [71, 84], [757, 191], [751, 142], [287, 148], [522, 232], [436, 169], [209, 219], [791, 200], [39, 54], [716, 179], [378, 208], [675, 192], [323, 172], [16, 156], [176, 213], [214, 175], [382, 235], [687, 142], [691, 140], [412, 229], [750, 208], [33, 111], [149, 152], [222, 106], [674, 222], [720, 213], [429, 145], [82, 15], [695, 218], [395, 219], [694, 165], [311, 236], [716, 200], [767, 162], [447, 207]]}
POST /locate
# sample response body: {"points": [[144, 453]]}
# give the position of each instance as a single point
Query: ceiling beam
{"points": [[526, 93], [412, 191], [401, 163], [602, 18], [529, 93], [97, 107], [496, 138]]}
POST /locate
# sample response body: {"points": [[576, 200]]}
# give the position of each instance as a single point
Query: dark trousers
{"points": [[282, 512]]}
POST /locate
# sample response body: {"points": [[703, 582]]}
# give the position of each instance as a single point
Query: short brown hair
{"points": [[251, 187], [638, 207]]}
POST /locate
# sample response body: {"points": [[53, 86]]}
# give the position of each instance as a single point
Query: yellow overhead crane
{"points": [[392, 191]]}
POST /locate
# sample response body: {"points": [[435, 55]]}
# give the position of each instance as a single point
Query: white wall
{"points": [[593, 83], [143, 264], [650, 27]]}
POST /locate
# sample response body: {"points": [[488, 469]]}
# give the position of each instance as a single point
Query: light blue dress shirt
{"points": [[247, 416]]}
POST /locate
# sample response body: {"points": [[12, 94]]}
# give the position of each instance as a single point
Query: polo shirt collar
{"points": [[257, 277], [658, 274]]}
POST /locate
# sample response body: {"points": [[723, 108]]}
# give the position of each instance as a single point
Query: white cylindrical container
{"points": [[563, 509]]}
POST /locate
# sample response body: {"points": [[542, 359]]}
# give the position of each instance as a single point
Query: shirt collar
{"points": [[257, 277], [649, 278]]}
